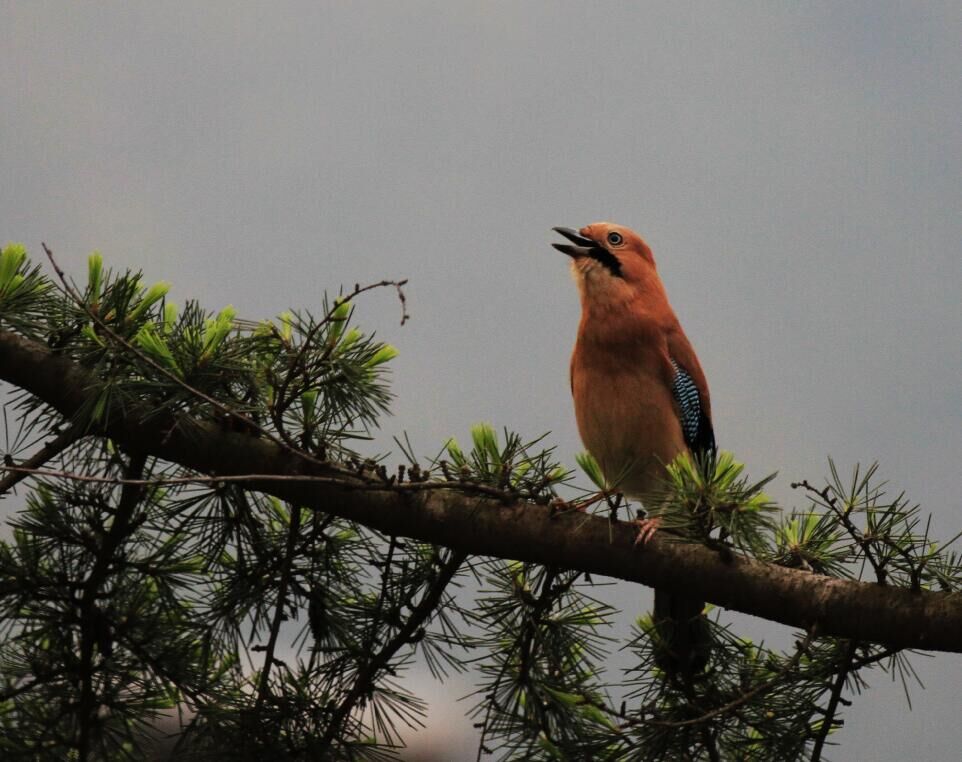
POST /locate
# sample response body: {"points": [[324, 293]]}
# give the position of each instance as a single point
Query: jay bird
{"points": [[640, 397]]}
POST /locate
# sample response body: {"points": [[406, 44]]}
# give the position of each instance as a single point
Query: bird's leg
{"points": [[646, 528]]}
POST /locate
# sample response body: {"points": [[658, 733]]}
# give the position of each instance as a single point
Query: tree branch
{"points": [[367, 675], [801, 648], [91, 624], [482, 525], [829, 721], [287, 570], [45, 454]]}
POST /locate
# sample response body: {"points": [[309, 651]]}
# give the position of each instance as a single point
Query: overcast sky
{"points": [[795, 167]]}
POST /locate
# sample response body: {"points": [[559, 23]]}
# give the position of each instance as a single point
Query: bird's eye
{"points": [[615, 239]]}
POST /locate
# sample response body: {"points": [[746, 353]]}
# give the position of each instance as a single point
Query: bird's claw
{"points": [[646, 530]]}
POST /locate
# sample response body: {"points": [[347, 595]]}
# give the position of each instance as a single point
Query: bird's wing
{"points": [[690, 390]]}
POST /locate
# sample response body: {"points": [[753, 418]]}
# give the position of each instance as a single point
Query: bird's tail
{"points": [[684, 635]]}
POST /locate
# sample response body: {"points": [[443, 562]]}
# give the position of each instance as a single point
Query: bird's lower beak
{"points": [[582, 247]]}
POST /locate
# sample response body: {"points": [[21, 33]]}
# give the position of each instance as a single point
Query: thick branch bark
{"points": [[481, 525]]}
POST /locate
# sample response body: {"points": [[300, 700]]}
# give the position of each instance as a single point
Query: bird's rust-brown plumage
{"points": [[622, 366], [641, 397]]}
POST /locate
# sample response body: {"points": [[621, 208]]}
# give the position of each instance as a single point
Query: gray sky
{"points": [[795, 167]]}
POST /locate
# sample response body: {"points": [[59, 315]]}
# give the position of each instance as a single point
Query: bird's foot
{"points": [[646, 530]]}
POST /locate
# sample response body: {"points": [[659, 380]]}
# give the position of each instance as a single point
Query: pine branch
{"points": [[829, 721], [216, 404], [853, 531], [379, 660], [293, 530], [506, 527], [801, 649], [90, 615]]}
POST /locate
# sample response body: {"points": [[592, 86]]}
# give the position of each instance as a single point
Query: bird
{"points": [[640, 399]]}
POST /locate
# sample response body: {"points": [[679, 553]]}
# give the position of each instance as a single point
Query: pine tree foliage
{"points": [[134, 592]]}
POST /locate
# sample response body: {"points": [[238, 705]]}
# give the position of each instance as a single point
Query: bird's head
{"points": [[609, 262]]}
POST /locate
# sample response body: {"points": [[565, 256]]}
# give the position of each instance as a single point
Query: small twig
{"points": [[829, 720], [854, 532], [16, 474], [285, 582], [385, 579], [29, 685], [281, 395], [867, 661], [351, 482], [403, 299]]}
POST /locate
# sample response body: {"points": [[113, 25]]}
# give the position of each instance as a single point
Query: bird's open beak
{"points": [[583, 246]]}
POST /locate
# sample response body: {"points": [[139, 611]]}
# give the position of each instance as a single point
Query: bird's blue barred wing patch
{"points": [[695, 424], [689, 403]]}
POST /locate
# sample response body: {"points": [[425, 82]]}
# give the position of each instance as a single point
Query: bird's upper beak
{"points": [[584, 247]]}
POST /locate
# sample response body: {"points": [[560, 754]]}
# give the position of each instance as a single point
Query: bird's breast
{"points": [[626, 417]]}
